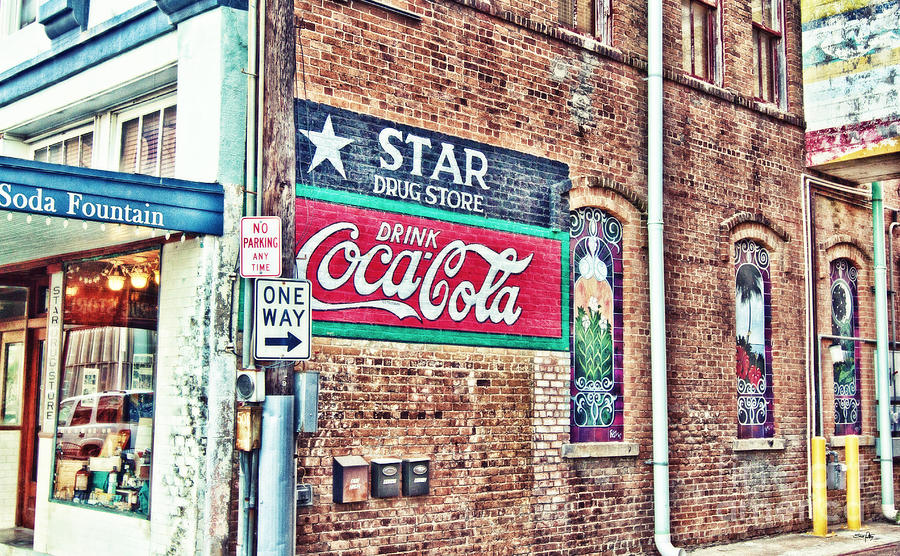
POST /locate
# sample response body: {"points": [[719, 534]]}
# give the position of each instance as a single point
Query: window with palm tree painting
{"points": [[845, 322], [752, 300], [596, 388]]}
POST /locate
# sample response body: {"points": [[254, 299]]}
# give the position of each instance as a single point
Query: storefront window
{"points": [[105, 419], [12, 354]]}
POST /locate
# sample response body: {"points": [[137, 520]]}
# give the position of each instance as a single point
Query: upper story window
{"points": [[147, 142], [16, 14], [700, 32], [768, 51], [139, 140], [586, 16], [73, 148]]}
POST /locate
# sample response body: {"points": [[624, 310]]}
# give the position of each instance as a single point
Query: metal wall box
{"points": [[249, 423], [836, 476], [306, 401], [350, 481], [416, 476], [385, 477]]}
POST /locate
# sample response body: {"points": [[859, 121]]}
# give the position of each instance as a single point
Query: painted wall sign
{"points": [[98, 195], [381, 272], [343, 150]]}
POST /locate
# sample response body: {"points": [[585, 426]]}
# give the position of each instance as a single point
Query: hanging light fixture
{"points": [[139, 278], [836, 351], [115, 280]]}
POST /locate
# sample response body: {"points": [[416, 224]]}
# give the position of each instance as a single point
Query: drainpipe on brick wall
{"points": [[249, 461], [661, 513], [881, 336]]}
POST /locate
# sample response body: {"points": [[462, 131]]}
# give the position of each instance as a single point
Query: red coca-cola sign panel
{"points": [[378, 267]]}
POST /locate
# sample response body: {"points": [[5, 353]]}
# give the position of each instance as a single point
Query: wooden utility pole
{"points": [[277, 149]]}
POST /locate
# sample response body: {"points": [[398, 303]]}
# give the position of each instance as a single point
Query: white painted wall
{"points": [[9, 476]]}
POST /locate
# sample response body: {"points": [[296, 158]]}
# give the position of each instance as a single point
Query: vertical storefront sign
{"points": [[54, 345]]}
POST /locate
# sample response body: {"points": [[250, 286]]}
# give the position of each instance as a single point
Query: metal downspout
{"points": [[661, 518], [248, 460], [250, 195], [881, 336]]}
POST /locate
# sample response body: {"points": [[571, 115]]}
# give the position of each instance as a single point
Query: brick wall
{"points": [[495, 421]]}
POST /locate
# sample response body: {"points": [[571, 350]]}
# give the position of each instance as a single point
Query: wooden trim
{"points": [[93, 253]]}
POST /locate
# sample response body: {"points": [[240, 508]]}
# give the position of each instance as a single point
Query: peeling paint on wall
{"points": [[851, 56]]}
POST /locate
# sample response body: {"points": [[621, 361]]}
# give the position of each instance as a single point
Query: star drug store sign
{"points": [[403, 231]]}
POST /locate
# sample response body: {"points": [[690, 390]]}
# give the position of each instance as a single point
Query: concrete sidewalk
{"points": [[877, 538]]}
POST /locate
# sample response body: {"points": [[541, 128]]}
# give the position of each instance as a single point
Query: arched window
{"points": [[596, 261], [753, 307], [845, 322]]}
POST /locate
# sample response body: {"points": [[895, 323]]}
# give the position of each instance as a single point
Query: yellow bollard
{"points": [[819, 488], [851, 454]]}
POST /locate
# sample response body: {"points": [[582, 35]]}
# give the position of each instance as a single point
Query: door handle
{"points": [[81, 435]]}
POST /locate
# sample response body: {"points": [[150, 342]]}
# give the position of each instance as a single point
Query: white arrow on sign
{"points": [[282, 320]]}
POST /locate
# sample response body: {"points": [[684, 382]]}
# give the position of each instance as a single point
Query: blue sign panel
{"points": [[86, 194], [344, 150]]}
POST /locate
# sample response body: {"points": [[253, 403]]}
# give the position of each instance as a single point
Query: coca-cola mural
{"points": [[378, 271]]}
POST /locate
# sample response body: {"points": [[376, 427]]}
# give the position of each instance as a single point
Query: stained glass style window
{"points": [[845, 322], [597, 339], [753, 323]]}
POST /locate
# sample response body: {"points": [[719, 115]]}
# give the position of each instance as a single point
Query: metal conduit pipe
{"points": [[250, 195], [890, 284], [808, 254], [247, 478], [881, 329], [661, 511]]}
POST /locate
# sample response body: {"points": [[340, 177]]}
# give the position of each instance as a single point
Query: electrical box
{"points": [[249, 423], [416, 476], [304, 495], [306, 400], [350, 479], [250, 386], [385, 477]]}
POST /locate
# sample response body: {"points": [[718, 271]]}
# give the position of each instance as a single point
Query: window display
{"points": [[105, 421]]}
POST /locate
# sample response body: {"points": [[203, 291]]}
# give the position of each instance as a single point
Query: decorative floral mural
{"points": [[845, 322], [756, 418], [597, 376]]}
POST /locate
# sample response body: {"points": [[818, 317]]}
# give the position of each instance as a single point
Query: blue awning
{"points": [[112, 197]]}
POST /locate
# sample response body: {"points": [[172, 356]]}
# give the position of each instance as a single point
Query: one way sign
{"points": [[282, 319]]}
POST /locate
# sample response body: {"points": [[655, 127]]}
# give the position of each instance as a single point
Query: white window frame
{"points": [[57, 136], [106, 127], [10, 10], [119, 117]]}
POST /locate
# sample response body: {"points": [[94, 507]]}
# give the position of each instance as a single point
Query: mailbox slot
{"points": [[416, 476], [350, 479], [385, 477]]}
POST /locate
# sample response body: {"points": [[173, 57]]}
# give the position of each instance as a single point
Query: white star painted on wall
{"points": [[328, 147]]}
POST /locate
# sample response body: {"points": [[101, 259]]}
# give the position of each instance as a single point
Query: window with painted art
{"points": [[700, 39], [104, 435], [597, 374], [753, 325], [590, 17], [768, 51], [845, 323]]}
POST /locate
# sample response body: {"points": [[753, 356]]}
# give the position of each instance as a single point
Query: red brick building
{"points": [[472, 213]]}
